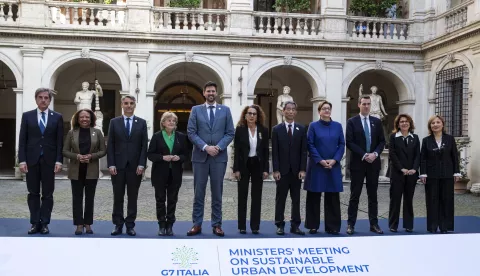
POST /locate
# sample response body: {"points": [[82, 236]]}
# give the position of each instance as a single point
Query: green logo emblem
{"points": [[184, 256]]}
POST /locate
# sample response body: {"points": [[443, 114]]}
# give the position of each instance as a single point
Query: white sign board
{"points": [[436, 255]]}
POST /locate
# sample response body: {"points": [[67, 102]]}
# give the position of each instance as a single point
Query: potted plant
{"points": [[461, 184], [288, 6]]}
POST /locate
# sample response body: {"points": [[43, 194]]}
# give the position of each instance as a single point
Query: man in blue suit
{"points": [[40, 155], [210, 128], [365, 140]]}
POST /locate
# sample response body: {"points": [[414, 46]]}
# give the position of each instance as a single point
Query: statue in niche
{"points": [[377, 109], [281, 100], [83, 98]]}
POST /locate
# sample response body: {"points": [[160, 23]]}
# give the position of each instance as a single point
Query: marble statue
{"points": [[377, 109], [83, 99], [281, 100]]}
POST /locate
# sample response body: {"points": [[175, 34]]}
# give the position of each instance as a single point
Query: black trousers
{"points": [[440, 204], [80, 216], [40, 177], [331, 206], [402, 186], [288, 182], [125, 177], [166, 191], [356, 186], [254, 173]]}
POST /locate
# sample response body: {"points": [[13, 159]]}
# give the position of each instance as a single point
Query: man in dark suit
{"points": [[40, 155], [127, 159], [210, 128], [289, 160], [365, 140]]}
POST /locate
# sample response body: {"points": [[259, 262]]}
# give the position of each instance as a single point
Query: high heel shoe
{"points": [[88, 229], [79, 230]]}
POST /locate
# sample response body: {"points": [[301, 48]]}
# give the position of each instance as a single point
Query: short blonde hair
{"points": [[444, 130], [166, 116]]}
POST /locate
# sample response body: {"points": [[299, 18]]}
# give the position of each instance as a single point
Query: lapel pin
{"points": [[51, 113], [219, 108], [136, 121], [260, 136], [93, 134], [297, 128]]}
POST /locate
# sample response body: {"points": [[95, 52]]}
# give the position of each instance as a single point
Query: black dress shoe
{"points": [[376, 229], [34, 229], [131, 232], [255, 232], [443, 232], [409, 230], [332, 232], [350, 229], [79, 231], [44, 230], [280, 231], [162, 231], [243, 231], [313, 231], [393, 230], [117, 230], [169, 231], [296, 231]]}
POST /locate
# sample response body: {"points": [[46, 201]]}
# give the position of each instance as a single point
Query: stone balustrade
{"points": [[189, 20], [286, 24], [9, 11], [75, 14], [375, 29], [456, 18]]}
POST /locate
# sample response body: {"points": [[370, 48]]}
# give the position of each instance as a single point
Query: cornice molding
{"points": [[225, 96], [18, 90], [317, 99], [240, 59], [419, 66], [334, 63], [138, 56], [405, 102], [471, 30]]}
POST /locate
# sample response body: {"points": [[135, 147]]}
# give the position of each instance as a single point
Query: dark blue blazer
{"points": [[31, 141], [357, 143], [123, 149]]}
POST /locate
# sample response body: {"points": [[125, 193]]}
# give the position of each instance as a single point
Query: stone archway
{"points": [[9, 118]]}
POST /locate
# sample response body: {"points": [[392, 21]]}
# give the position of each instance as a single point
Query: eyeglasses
{"points": [[404, 122], [251, 113], [326, 109]]}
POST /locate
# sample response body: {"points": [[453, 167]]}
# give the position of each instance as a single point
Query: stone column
{"points": [[19, 112], [138, 15], [474, 113], [315, 102], [344, 113], [241, 21], [422, 87], [32, 72], [334, 68], [140, 58], [239, 83], [33, 13], [334, 7]]}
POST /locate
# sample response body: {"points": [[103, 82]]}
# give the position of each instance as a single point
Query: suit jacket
{"points": [[286, 155], [160, 168], [31, 141], [357, 143], [242, 148], [440, 162], [403, 156], [201, 133], [71, 149], [122, 149]]}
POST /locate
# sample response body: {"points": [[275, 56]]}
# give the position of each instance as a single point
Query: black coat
{"points": [[357, 143], [440, 162], [403, 156], [158, 148], [242, 148], [286, 155], [122, 149]]}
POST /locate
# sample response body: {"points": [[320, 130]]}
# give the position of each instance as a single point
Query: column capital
{"points": [[346, 99], [317, 99], [150, 94], [475, 49], [419, 66], [225, 96], [334, 63], [240, 59], [251, 97], [432, 100], [32, 51], [18, 90], [138, 56], [406, 102], [241, 5], [124, 92], [427, 66]]}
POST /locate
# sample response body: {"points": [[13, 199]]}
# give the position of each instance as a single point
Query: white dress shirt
{"points": [[39, 117], [399, 134], [253, 142], [293, 126]]}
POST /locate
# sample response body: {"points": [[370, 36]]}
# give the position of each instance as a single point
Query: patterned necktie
{"points": [[128, 127], [290, 131], [42, 123], [367, 134], [212, 115]]}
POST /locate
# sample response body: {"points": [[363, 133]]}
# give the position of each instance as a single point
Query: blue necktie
{"points": [[367, 134], [42, 123], [128, 127], [212, 116]]}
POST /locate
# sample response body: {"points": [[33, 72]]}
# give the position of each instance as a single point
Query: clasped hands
{"points": [[212, 150], [370, 157], [408, 172], [170, 158], [84, 158], [328, 164]]}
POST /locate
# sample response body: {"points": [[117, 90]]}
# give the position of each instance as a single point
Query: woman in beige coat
{"points": [[84, 146]]}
